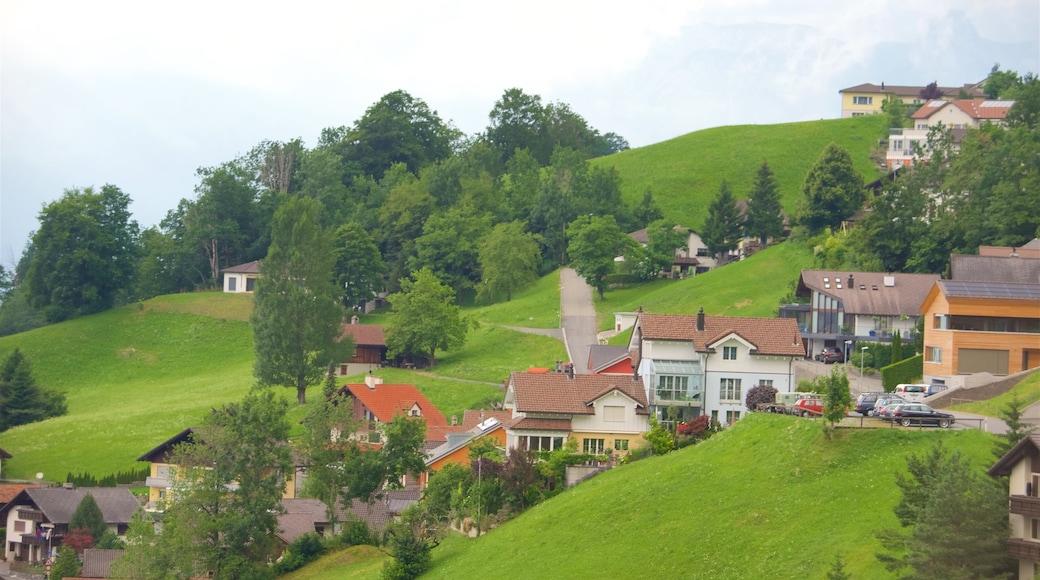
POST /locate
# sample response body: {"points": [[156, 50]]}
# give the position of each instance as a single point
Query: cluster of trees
{"points": [[22, 401], [726, 225]]}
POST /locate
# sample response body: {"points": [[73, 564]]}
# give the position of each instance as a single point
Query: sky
{"points": [[142, 94]]}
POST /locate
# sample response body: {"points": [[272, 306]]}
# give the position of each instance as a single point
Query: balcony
{"points": [[163, 482], [1023, 549], [1025, 505]]}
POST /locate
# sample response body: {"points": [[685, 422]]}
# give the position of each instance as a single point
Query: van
{"points": [[913, 392], [934, 389]]}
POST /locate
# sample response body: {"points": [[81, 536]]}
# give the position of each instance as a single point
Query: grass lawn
{"points": [[768, 498], [361, 562], [1028, 392], [537, 306]]}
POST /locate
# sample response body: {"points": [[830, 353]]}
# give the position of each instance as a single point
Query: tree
{"points": [[999, 83], [508, 258], [138, 553], [1026, 110], [359, 267], [594, 242], [647, 211], [22, 401], [954, 521], [449, 247], [223, 221], [662, 241], [837, 396], [895, 111], [84, 253], [660, 439], [837, 571], [764, 218], [833, 190], [296, 309], [517, 122], [66, 565], [722, 228], [424, 318], [897, 347], [410, 540], [931, 92], [88, 516], [227, 492], [1017, 430], [758, 395]]}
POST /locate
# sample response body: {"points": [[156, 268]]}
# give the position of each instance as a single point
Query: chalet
{"points": [[377, 403], [1021, 465], [456, 449], [369, 348]]}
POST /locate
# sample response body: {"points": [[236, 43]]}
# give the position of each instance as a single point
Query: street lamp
{"points": [[862, 355], [848, 347]]}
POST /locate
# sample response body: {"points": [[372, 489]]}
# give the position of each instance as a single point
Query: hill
{"points": [[684, 173], [769, 497]]}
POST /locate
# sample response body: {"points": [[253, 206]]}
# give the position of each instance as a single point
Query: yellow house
{"points": [[973, 327], [866, 99]]}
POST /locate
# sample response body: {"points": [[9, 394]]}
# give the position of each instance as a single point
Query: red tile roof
{"points": [[975, 108], [8, 491], [386, 400], [558, 393], [770, 336], [536, 424], [364, 334]]}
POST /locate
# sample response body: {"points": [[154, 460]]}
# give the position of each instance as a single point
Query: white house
{"points": [[905, 145], [241, 278], [696, 365]]}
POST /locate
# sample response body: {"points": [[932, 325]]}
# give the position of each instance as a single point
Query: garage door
{"points": [[974, 360]]}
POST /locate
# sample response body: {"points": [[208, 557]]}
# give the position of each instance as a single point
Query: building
{"points": [[369, 348], [690, 260], [867, 98], [610, 360], [906, 145], [1021, 465], [856, 306], [456, 448], [377, 403], [697, 365], [980, 327], [241, 278]]}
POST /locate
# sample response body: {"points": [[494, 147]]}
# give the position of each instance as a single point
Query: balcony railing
{"points": [[1023, 549], [1025, 505]]}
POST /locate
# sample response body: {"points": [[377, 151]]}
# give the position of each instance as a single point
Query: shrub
{"points": [[757, 395], [358, 534], [905, 371], [302, 551]]}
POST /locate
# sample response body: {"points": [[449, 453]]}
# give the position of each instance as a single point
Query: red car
{"points": [[807, 407]]}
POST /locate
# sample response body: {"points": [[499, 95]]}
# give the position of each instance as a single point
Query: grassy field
{"points": [[1027, 391], [359, 562], [768, 498], [537, 306], [684, 173]]}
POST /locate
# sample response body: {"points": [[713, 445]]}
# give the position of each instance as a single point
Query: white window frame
{"points": [[729, 387], [592, 446], [729, 353]]}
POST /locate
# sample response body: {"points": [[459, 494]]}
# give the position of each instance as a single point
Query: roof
{"points": [[981, 109], [910, 90], [162, 452], [536, 424], [364, 334], [1003, 466], [602, 356], [472, 417], [561, 394], [989, 290], [489, 425], [873, 293], [299, 518], [4, 454], [58, 504], [384, 400], [10, 491], [247, 268], [769, 336], [971, 268], [96, 563], [642, 237]]}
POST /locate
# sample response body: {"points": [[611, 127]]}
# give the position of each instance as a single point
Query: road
{"points": [[578, 318]]}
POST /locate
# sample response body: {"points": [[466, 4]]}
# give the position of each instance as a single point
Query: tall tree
{"points": [[222, 221], [517, 122], [833, 190], [722, 228], [84, 253], [1017, 429], [837, 397], [359, 267], [594, 242], [647, 211], [662, 240], [227, 492], [424, 318], [508, 258], [88, 516], [22, 401], [296, 306], [764, 218], [449, 247], [1000, 82]]}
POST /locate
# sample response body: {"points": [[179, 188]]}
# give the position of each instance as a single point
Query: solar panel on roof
{"points": [[966, 289]]}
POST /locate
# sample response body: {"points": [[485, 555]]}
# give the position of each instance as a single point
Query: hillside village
{"points": [[635, 382]]}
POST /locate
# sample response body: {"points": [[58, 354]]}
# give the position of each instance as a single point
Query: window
{"points": [[342, 369], [592, 446], [614, 413], [374, 437], [249, 284], [621, 445], [897, 145], [933, 354], [19, 526], [862, 100], [859, 114], [540, 443], [940, 322], [765, 382], [729, 353], [702, 252], [232, 284], [732, 416], [922, 126], [672, 388], [1036, 529], [714, 416], [729, 390]]}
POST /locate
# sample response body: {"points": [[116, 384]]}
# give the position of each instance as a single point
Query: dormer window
{"points": [[729, 353]]}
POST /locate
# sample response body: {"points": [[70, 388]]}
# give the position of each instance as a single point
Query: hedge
{"points": [[905, 371]]}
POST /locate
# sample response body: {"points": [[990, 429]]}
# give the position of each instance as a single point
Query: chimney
{"points": [[454, 420], [850, 284], [371, 381], [700, 319], [569, 368], [882, 85], [354, 319]]}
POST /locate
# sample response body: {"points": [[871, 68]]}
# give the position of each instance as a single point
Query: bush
{"points": [[905, 371], [358, 534], [757, 395], [302, 551]]}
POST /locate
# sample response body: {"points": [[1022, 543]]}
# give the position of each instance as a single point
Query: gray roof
{"points": [[869, 294], [991, 290], [300, 517], [602, 356], [4, 454], [247, 268], [1004, 465], [96, 563], [995, 269], [58, 504]]}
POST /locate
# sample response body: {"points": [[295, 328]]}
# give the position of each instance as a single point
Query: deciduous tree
{"points": [[359, 269], [833, 190], [508, 258], [837, 397], [662, 240], [424, 318], [449, 247], [296, 307], [594, 242]]}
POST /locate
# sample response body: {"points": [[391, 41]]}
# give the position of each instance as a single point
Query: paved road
{"points": [[578, 318]]}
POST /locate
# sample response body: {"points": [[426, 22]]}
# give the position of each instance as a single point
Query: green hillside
{"points": [[684, 173], [768, 498]]}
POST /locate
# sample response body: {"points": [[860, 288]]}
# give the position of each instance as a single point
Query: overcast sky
{"points": [[141, 94]]}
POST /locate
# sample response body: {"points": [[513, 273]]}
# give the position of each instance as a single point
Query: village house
{"points": [[377, 403], [1021, 465], [906, 145], [369, 348], [241, 278], [476, 425], [867, 98]]}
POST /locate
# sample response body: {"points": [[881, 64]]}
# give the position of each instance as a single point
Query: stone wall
{"points": [[981, 391]]}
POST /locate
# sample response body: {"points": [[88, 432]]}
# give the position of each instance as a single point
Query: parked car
{"points": [[829, 355], [934, 389], [865, 403], [913, 392], [885, 404], [918, 414], [807, 407]]}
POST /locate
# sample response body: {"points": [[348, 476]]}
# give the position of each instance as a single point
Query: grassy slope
{"points": [[769, 497], [684, 173], [1027, 391]]}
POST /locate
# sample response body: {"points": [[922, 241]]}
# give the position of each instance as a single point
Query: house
{"points": [[456, 448], [688, 261], [867, 98], [999, 264], [37, 518], [241, 278], [856, 306], [904, 145], [377, 403], [697, 365], [301, 516], [1021, 465], [9, 491], [369, 348], [977, 326], [600, 412], [97, 563], [1030, 250], [610, 360]]}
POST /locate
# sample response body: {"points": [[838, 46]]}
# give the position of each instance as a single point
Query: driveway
{"points": [[578, 320]]}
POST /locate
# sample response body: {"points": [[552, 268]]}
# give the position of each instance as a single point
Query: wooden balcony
{"points": [[1025, 505], [1023, 549]]}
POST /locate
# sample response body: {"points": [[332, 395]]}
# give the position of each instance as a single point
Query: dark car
{"points": [[829, 355], [918, 414], [865, 403]]}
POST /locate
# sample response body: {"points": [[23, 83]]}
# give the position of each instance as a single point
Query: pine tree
{"points": [[722, 228], [764, 217], [21, 400], [66, 565], [1017, 430], [647, 211], [897, 347], [88, 516]]}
